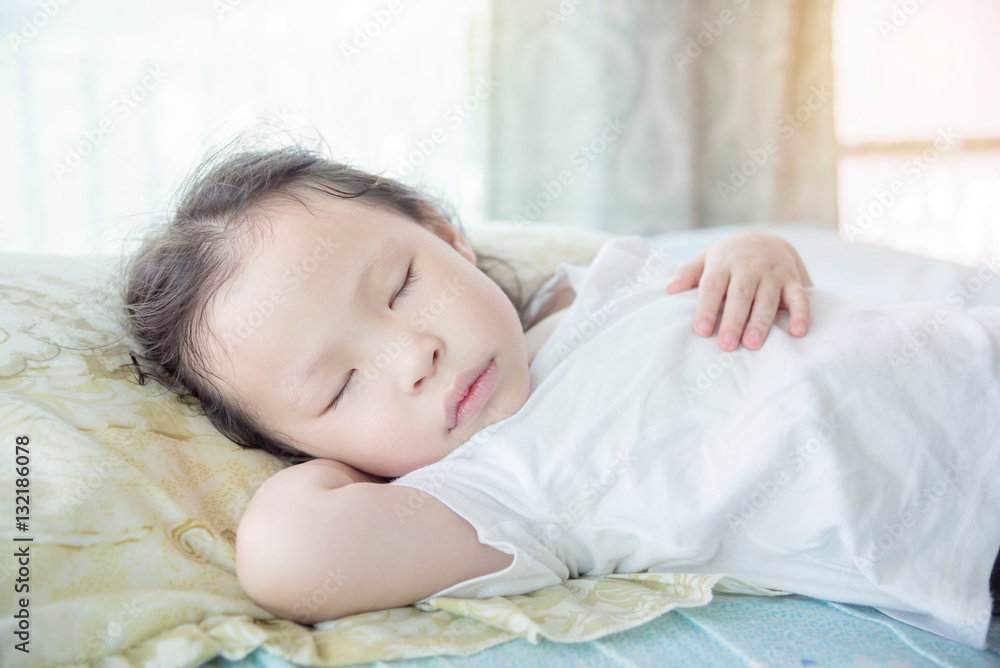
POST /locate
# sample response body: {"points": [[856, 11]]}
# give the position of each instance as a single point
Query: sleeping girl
{"points": [[448, 438]]}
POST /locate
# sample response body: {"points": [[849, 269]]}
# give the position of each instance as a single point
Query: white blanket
{"points": [[857, 464]]}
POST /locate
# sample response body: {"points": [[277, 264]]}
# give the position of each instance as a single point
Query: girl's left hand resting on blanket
{"points": [[751, 266]]}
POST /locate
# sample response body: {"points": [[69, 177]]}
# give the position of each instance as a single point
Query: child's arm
{"points": [[312, 547], [751, 266]]}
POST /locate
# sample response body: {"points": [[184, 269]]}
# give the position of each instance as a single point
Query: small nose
{"points": [[418, 361]]}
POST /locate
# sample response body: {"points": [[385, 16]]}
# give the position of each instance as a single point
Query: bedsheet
{"points": [[734, 630]]}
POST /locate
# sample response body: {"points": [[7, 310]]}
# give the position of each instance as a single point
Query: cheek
{"points": [[486, 301]]}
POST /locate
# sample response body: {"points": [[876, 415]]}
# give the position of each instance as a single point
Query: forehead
{"points": [[309, 211], [288, 241], [311, 228]]}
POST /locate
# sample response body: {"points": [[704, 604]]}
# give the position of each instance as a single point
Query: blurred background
{"points": [[880, 118]]}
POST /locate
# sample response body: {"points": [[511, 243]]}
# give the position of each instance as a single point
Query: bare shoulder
{"points": [[557, 301], [544, 325], [311, 548], [563, 298]]}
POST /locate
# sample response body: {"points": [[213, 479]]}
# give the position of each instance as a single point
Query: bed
{"points": [[135, 501]]}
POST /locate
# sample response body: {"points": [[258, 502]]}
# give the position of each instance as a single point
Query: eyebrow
{"points": [[371, 266]]}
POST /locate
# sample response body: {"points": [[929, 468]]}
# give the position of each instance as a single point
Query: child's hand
{"points": [[751, 266]]}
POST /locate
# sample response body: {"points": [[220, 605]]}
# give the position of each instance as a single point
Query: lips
{"points": [[460, 389]]}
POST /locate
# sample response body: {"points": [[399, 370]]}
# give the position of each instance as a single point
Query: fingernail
{"points": [[729, 339], [703, 326], [753, 339]]}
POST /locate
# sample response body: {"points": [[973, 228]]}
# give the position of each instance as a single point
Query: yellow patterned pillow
{"points": [[128, 523]]}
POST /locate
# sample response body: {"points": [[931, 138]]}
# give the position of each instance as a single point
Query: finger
{"points": [[765, 307], [710, 293], [797, 301], [688, 275], [734, 317]]}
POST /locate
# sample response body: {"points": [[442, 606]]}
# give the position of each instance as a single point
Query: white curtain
{"points": [[105, 105], [644, 116], [631, 116]]}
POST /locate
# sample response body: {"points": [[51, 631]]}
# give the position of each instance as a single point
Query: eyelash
{"points": [[411, 277]]}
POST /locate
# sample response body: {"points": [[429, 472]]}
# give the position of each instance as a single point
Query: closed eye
{"points": [[343, 393], [411, 277]]}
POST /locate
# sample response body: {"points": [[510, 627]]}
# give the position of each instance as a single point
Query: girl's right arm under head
{"points": [[311, 549]]}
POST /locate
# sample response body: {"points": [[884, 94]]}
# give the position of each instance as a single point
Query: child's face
{"points": [[294, 305]]}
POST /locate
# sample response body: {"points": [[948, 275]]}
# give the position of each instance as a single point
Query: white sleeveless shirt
{"points": [[858, 464]]}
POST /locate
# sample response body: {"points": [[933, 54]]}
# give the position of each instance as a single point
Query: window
{"points": [[917, 89], [107, 105]]}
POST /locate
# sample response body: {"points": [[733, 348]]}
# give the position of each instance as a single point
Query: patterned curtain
{"points": [[645, 116]]}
